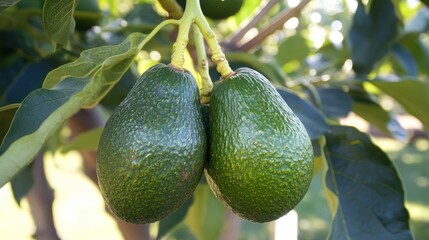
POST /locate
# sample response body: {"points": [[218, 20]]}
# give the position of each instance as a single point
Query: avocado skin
{"points": [[260, 155], [151, 153]]}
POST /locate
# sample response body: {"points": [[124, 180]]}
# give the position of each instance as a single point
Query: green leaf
{"points": [[412, 94], [415, 45], [7, 3], [29, 78], [22, 183], [313, 120], [335, 102], [87, 141], [43, 111], [371, 111], [168, 223], [293, 48], [372, 34], [368, 187], [58, 20], [405, 60], [206, 215]]}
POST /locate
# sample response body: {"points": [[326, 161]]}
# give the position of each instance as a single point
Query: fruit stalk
{"points": [[193, 14], [203, 67], [173, 8]]}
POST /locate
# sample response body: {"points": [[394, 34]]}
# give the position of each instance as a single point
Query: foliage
{"points": [[328, 63]]}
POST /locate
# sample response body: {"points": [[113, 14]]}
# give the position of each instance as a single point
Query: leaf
{"points": [[372, 34], [418, 49], [58, 20], [28, 79], [206, 215], [406, 60], [22, 183], [293, 48], [7, 3], [368, 187], [43, 111], [412, 94], [371, 111], [313, 120], [335, 102], [87, 141], [168, 223]]}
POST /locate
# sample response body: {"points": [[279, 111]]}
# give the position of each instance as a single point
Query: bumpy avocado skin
{"points": [[260, 155], [151, 153]]}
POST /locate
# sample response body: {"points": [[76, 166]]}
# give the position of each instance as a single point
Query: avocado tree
{"points": [[68, 64]]}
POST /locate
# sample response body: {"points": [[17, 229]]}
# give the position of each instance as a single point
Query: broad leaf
{"points": [[371, 111], [369, 190], [293, 48], [28, 79], [58, 20], [22, 183], [412, 94], [87, 141], [7, 3], [335, 102], [44, 111], [419, 50], [405, 60], [206, 216], [313, 120], [372, 34], [171, 221], [6, 116]]}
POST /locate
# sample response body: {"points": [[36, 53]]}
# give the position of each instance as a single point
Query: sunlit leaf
{"points": [[205, 217], [371, 111], [58, 20], [43, 111], [412, 94], [87, 141], [368, 187], [293, 48]]}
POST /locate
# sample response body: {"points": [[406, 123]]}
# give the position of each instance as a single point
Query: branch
{"points": [[261, 12], [275, 24]]}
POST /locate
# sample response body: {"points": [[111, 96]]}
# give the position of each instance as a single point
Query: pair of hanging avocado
{"points": [[152, 152]]}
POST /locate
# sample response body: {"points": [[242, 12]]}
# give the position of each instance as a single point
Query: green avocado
{"points": [[217, 9], [151, 153], [260, 155]]}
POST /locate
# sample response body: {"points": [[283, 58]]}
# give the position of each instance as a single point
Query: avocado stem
{"points": [[193, 14], [174, 10], [203, 67]]}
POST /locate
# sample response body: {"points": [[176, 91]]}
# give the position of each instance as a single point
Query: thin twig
{"points": [[276, 23], [261, 12]]}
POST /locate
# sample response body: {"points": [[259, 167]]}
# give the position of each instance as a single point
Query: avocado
{"points": [[217, 9], [151, 153], [260, 156]]}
